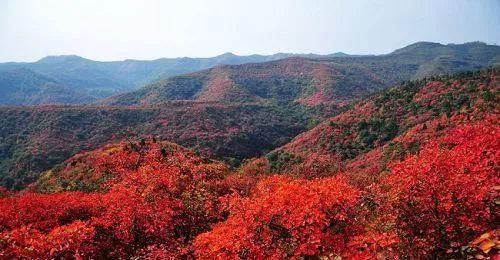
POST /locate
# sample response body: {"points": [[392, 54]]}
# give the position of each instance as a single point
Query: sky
{"points": [[150, 29]]}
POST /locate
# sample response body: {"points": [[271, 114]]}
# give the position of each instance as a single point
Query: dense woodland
{"points": [[36, 139], [231, 112], [410, 172]]}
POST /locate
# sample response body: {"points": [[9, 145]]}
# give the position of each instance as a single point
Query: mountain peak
{"points": [[338, 54], [417, 46], [61, 58], [227, 55]]}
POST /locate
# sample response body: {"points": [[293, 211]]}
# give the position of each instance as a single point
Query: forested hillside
{"points": [[26, 87], [308, 78], [95, 80], [407, 173], [388, 125], [326, 80], [34, 139]]}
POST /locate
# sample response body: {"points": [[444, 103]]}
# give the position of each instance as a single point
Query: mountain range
{"points": [[70, 79], [322, 80], [82, 80]]}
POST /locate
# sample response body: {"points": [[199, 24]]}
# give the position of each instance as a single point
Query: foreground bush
{"points": [[444, 197], [286, 218], [155, 198]]}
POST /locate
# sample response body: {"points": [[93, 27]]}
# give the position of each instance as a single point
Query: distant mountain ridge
{"points": [[315, 79], [26, 87], [86, 81], [95, 79]]}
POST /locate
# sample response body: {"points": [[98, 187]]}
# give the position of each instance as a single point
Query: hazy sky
{"points": [[121, 29]]}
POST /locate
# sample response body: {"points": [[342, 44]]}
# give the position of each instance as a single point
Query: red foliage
{"points": [[284, 218], [429, 190], [156, 199], [443, 197], [68, 241], [4, 192], [373, 245], [45, 212], [318, 165]]}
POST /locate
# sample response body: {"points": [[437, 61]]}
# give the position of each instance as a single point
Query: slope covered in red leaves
{"points": [[387, 126], [160, 200], [355, 187], [307, 81], [446, 195], [429, 205], [148, 196]]}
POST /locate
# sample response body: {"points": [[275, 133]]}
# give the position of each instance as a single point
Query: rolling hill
{"points": [[387, 126], [325, 80], [34, 139], [26, 87], [325, 77], [96, 80]]}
